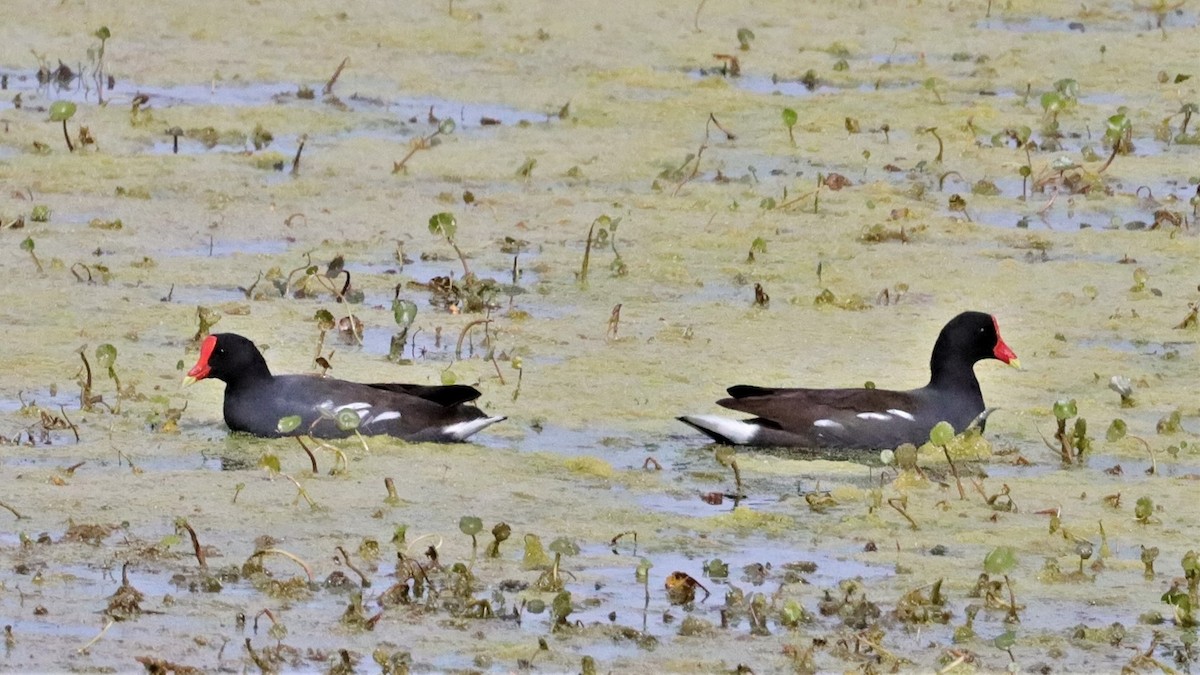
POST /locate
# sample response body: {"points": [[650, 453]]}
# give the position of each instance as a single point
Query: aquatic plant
{"points": [[1000, 561], [404, 312], [96, 55], [61, 111], [1118, 135], [27, 245], [446, 225], [1073, 445], [789, 120], [471, 526]]}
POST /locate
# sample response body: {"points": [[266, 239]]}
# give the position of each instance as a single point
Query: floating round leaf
{"points": [[106, 355], [287, 425], [1000, 560], [324, 319], [404, 311], [61, 111], [443, 223], [1005, 640], [446, 126], [793, 612], [347, 420], [1065, 409], [564, 546], [535, 606], [642, 572], [941, 433], [1144, 508], [1116, 431], [470, 525]]}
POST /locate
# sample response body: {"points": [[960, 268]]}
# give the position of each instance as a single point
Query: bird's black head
{"points": [[971, 337], [227, 357]]}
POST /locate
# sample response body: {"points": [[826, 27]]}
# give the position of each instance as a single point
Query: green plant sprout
{"points": [[789, 120], [1075, 444], [940, 435], [106, 358], [445, 128], [1000, 561], [27, 245], [405, 313], [61, 111], [445, 225], [551, 579], [96, 54], [471, 526], [1118, 135]]}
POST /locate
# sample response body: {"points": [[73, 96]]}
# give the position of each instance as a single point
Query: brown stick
{"points": [[336, 74]]}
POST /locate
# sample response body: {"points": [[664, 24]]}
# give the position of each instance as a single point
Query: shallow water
{"points": [[601, 110]]}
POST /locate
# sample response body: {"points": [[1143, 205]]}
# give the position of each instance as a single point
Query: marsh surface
{"points": [[563, 117]]}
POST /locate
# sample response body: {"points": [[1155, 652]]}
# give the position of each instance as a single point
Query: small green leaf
{"points": [[347, 419], [1000, 561], [941, 433], [564, 546], [448, 377], [1065, 409], [790, 118], [61, 111], [106, 355], [470, 525], [1116, 431], [1144, 508], [324, 319], [446, 127], [404, 311], [444, 224], [642, 573], [1005, 640], [103, 33], [27, 244], [287, 425]]}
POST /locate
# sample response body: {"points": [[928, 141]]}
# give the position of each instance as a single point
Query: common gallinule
{"points": [[256, 400], [846, 419]]}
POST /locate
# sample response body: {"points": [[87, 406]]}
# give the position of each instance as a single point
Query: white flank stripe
{"points": [[873, 416], [384, 416], [902, 413], [462, 430], [828, 424], [356, 406], [737, 431]]}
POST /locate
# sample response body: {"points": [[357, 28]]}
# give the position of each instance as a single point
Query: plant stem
{"points": [[69, 145]]}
